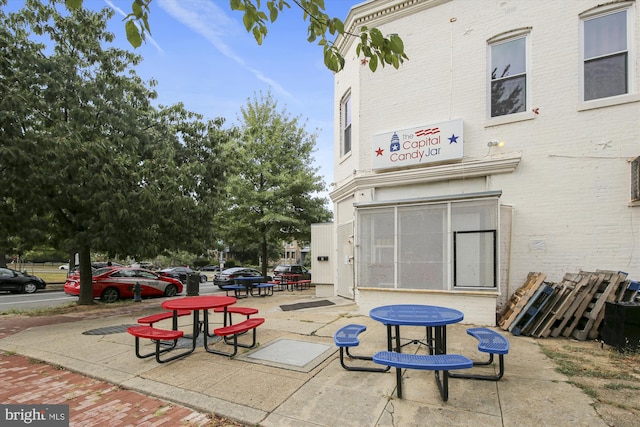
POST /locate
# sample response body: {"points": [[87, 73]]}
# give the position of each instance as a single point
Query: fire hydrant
{"points": [[137, 292]]}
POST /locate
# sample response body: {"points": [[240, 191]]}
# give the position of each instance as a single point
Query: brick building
{"points": [[508, 143]]}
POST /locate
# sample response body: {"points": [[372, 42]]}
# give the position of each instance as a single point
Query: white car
{"points": [[64, 267]]}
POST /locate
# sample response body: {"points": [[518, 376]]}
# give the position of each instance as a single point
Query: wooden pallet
{"points": [[618, 289], [586, 299], [574, 307], [534, 306], [520, 298], [583, 286], [608, 286], [563, 297], [629, 292], [548, 316]]}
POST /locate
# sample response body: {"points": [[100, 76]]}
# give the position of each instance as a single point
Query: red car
{"points": [[113, 283]]}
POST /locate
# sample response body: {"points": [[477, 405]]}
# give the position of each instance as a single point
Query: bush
{"points": [[45, 255], [201, 262]]}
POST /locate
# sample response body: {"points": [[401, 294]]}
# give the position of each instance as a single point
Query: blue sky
{"points": [[201, 55]]}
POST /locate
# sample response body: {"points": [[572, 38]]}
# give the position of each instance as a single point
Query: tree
{"points": [[503, 103], [373, 45], [85, 159], [272, 190]]}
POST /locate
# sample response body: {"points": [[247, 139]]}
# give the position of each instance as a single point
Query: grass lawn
{"points": [[47, 272]]}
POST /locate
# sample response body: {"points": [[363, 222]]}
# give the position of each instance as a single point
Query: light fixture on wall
{"points": [[495, 143]]}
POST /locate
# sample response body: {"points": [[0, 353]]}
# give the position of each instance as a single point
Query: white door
{"points": [[345, 261]]}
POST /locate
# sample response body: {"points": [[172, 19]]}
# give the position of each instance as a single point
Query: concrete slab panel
{"points": [[291, 354]]}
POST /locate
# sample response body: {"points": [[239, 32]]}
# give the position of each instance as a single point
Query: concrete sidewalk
{"points": [[276, 391]]}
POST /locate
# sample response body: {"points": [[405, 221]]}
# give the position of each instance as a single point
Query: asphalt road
{"points": [[53, 296], [37, 300]]}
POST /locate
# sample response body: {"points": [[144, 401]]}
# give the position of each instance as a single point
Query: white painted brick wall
{"points": [[570, 193]]}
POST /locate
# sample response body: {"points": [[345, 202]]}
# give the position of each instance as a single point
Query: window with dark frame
{"points": [[475, 259]]}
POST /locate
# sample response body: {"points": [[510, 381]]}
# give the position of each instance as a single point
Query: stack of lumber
{"points": [[572, 308]]}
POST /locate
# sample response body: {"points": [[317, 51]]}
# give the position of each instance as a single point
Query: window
{"points": [[635, 180], [508, 76], [474, 259], [345, 124], [605, 53], [439, 245]]}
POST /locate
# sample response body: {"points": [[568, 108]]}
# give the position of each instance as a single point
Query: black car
{"points": [[227, 276], [181, 273], [292, 269], [16, 282]]}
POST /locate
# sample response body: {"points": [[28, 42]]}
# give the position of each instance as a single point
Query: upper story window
{"points": [[508, 75], [605, 36], [345, 124]]}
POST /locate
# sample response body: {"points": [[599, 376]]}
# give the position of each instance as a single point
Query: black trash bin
{"points": [[193, 284]]}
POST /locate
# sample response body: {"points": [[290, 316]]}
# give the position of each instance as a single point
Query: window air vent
{"points": [[635, 179]]}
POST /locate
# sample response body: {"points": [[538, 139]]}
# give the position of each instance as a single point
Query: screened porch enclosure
{"points": [[430, 245]]}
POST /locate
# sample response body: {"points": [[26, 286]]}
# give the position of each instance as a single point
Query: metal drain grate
{"points": [[108, 330]]}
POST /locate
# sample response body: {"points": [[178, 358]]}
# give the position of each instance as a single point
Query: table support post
{"points": [[174, 322], [398, 345]]}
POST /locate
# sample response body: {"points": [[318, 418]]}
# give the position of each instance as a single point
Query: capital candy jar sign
{"points": [[420, 145]]}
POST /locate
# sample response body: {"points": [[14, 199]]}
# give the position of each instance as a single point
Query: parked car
{"points": [[144, 264], [103, 264], [64, 267], [181, 273], [17, 282], [113, 283], [225, 277], [291, 269], [210, 268]]}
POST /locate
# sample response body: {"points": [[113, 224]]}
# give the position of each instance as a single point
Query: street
{"points": [[34, 301], [54, 298]]}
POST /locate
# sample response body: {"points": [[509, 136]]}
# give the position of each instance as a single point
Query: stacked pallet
{"points": [[572, 308]]}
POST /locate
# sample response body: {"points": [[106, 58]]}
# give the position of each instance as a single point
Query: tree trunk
{"points": [[72, 260], [86, 276], [265, 257]]}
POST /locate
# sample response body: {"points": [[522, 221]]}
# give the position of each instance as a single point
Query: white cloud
{"points": [[210, 21]]}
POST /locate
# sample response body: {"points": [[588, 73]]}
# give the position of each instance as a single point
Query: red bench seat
{"points": [[303, 284], [239, 328], [157, 336], [154, 333], [235, 330], [232, 309], [150, 320]]}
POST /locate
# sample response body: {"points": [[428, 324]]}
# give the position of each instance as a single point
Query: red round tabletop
{"points": [[203, 302]]}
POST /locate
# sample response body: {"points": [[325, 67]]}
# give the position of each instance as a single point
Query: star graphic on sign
{"points": [[395, 146], [453, 138], [379, 152]]}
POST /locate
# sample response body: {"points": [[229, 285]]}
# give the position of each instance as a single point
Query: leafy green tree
{"points": [[85, 158], [273, 189], [257, 15]]}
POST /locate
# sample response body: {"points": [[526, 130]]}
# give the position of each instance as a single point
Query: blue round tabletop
{"points": [[416, 315]]}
